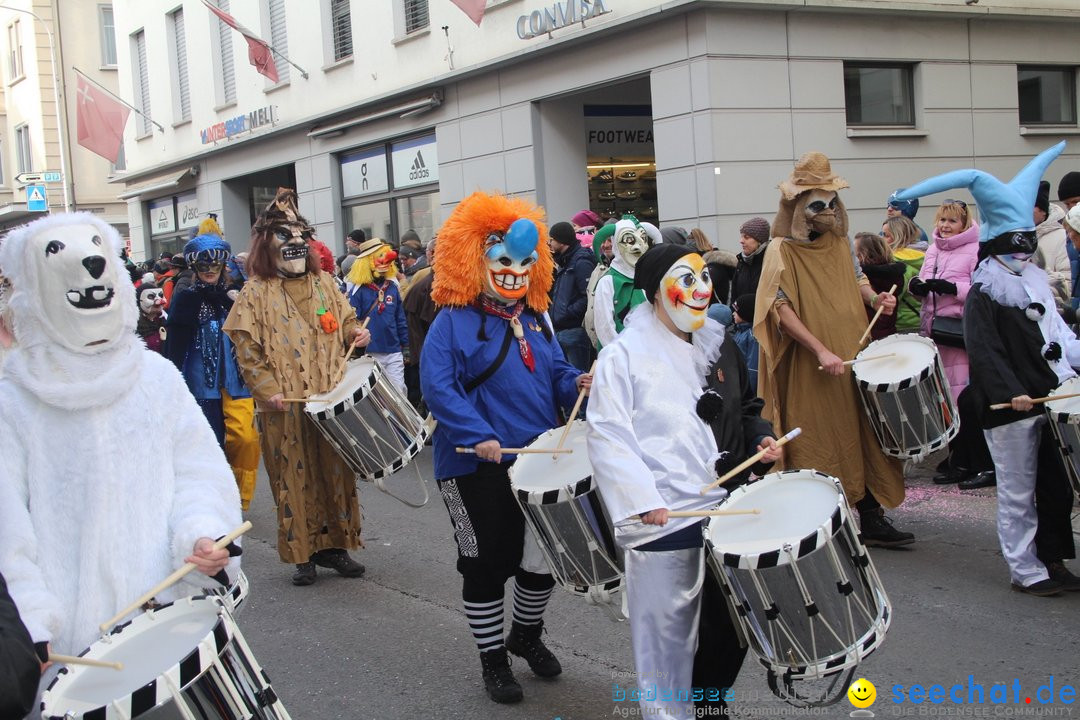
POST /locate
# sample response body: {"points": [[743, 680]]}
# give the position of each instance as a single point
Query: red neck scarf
{"points": [[511, 313]]}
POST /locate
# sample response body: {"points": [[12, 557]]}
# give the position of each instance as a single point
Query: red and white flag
{"points": [[101, 121], [473, 8], [259, 53]]}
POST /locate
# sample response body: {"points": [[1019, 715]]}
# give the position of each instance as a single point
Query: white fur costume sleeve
{"points": [[604, 311]]}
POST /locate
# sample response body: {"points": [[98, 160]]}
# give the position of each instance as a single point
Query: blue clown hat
{"points": [[207, 248], [1006, 208]]}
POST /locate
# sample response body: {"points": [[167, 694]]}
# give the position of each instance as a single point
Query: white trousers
{"points": [[393, 364], [663, 594], [1015, 450]]}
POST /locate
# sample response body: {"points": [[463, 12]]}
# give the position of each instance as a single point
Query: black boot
{"points": [[305, 574], [499, 681], [878, 531], [338, 559], [524, 641]]}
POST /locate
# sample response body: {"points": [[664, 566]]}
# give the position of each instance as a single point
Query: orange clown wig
{"points": [[460, 265]]}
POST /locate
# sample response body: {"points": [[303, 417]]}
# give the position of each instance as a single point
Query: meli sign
{"points": [[240, 124]]}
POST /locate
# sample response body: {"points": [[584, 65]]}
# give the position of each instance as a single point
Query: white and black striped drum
{"points": [[801, 586], [906, 396], [235, 594], [183, 661], [563, 507], [1064, 417]]}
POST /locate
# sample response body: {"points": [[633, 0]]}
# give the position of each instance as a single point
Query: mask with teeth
{"points": [[509, 258], [685, 291], [289, 243], [151, 301]]}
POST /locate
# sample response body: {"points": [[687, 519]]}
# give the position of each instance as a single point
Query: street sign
{"points": [[26, 178], [35, 199], [51, 176]]}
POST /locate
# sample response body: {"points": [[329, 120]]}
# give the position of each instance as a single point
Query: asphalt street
{"points": [[395, 644]]}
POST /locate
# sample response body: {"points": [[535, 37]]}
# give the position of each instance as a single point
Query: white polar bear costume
{"points": [[109, 472]]}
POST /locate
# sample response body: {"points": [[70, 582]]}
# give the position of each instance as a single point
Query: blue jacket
{"points": [[512, 406], [748, 346], [569, 293], [191, 343], [389, 331]]}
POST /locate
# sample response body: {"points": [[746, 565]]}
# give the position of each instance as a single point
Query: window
{"points": [[15, 61], [279, 38], [121, 162], [416, 15], [879, 94], [141, 76], [108, 35], [1047, 95], [1, 164], [341, 24], [178, 50], [24, 157], [226, 79]]}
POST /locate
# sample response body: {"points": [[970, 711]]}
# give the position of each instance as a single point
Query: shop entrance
{"points": [[621, 161], [244, 197]]}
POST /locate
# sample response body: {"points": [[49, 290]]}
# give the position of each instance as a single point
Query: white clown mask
{"points": [[685, 291], [152, 302], [1014, 262], [631, 241], [290, 245], [510, 258]]}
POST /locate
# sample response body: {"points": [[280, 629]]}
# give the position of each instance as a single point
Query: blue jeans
{"points": [[576, 347]]}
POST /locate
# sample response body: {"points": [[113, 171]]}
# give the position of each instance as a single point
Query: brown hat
{"points": [[812, 172], [757, 228]]}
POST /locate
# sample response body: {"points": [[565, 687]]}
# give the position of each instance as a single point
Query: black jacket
{"points": [[569, 296], [747, 274], [20, 669]]}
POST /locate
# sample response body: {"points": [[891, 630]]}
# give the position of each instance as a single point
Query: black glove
{"points": [[917, 286], [941, 286]]}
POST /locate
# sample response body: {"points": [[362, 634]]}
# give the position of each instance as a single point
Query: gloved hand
{"points": [[941, 286], [918, 287]]}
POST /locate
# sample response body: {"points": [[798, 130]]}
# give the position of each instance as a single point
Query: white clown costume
{"points": [[87, 524]]}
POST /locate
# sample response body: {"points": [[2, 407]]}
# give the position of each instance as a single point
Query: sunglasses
{"points": [[819, 205], [950, 201], [207, 267]]}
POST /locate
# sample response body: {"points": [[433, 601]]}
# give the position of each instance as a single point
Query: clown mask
{"points": [[509, 258], [1014, 262], [820, 209], [382, 264], [78, 286], [290, 245], [152, 302], [631, 241], [685, 290]]}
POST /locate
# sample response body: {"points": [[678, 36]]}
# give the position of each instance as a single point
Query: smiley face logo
{"points": [[862, 693]]}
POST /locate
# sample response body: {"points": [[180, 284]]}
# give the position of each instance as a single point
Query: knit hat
{"points": [[907, 208], [1069, 187], [744, 305], [656, 261], [674, 235], [586, 218], [563, 233], [757, 228], [357, 235], [1042, 197]]}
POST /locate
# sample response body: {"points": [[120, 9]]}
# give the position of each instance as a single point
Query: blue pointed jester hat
{"points": [[1006, 208]]}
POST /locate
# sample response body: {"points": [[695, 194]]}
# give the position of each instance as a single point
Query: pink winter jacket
{"points": [[951, 259]]}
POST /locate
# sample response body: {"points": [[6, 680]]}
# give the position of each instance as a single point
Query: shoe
{"points": [[1060, 573], [338, 559], [305, 574], [878, 531], [499, 681], [607, 195], [987, 478], [604, 176], [1043, 588], [951, 476], [524, 641], [628, 176], [628, 195]]}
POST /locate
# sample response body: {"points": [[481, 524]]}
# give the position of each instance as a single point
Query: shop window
{"points": [[877, 94], [1047, 95], [621, 163]]}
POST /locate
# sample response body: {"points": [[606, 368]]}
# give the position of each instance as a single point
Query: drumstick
{"points": [[72, 660], [711, 513], [750, 461], [865, 359], [172, 579], [573, 413], [876, 316], [1036, 401], [342, 364], [520, 451]]}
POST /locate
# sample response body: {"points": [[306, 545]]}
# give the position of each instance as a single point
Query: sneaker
{"points": [[951, 476], [607, 195], [1061, 574], [305, 574], [605, 176], [1043, 588], [499, 681], [628, 195], [987, 478], [338, 559], [877, 530], [628, 176], [524, 641]]}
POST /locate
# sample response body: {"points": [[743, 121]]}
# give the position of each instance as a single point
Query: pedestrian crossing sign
{"points": [[36, 200]]}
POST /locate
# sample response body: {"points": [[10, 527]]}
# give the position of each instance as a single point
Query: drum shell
{"points": [[1064, 416]]}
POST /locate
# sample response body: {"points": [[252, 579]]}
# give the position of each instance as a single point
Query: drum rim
{"points": [[211, 645], [903, 383], [562, 493], [356, 396]]}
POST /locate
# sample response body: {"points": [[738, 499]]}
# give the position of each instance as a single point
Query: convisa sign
{"points": [[557, 16]]}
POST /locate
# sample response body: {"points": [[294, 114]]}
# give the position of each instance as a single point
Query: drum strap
{"points": [[482, 377]]}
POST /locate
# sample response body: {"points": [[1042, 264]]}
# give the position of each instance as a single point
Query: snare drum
{"points": [[1065, 424], [563, 507], [184, 660], [234, 595], [906, 396], [367, 420], [804, 592]]}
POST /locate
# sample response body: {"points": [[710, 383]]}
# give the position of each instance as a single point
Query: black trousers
{"points": [[719, 656], [1053, 504]]}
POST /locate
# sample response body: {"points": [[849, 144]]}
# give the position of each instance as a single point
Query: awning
{"points": [[161, 182]]}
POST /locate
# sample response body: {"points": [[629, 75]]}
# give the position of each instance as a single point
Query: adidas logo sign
{"points": [[419, 169]]}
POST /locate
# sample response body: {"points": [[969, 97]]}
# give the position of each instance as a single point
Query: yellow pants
{"points": [[241, 443]]}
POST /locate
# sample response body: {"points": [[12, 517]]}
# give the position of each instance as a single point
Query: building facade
{"points": [[38, 136], [686, 112]]}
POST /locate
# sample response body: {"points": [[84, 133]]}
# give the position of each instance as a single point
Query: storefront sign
{"points": [[415, 162], [364, 172], [559, 15], [162, 216], [239, 124], [609, 133], [187, 210]]}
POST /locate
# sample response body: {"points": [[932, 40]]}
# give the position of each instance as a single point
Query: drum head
{"points": [[543, 476], [149, 646], [358, 377], [912, 356], [1067, 410], [799, 508]]}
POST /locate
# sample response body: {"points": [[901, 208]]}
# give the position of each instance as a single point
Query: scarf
{"points": [[511, 313]]}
